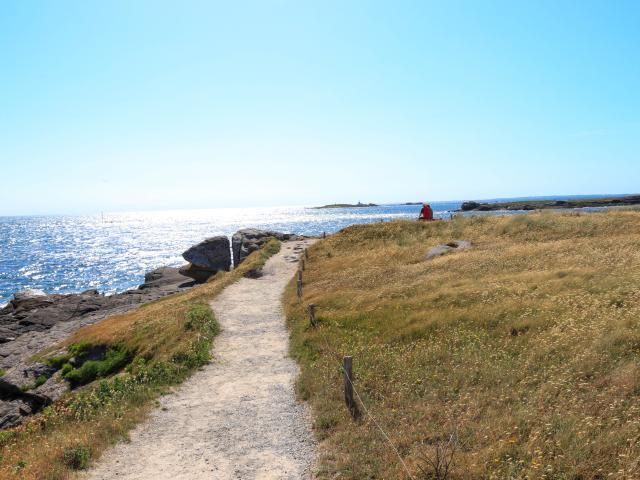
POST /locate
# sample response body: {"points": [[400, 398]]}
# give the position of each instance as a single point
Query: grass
{"points": [[143, 353], [521, 355]]}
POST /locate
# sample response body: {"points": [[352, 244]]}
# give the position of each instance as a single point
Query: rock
{"points": [[30, 299], [253, 273], [207, 258], [53, 388], [164, 277], [455, 245], [197, 274], [468, 206], [10, 413], [249, 240]]}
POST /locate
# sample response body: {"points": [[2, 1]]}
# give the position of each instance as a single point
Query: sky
{"points": [[134, 105]]}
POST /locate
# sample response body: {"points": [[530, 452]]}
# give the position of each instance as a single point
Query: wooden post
{"points": [[347, 366], [324, 234], [306, 254], [312, 314], [302, 264], [299, 284]]}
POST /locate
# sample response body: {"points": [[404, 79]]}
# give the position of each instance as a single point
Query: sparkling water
{"points": [[112, 252]]}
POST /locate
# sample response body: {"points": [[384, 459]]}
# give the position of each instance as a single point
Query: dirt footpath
{"points": [[237, 418]]}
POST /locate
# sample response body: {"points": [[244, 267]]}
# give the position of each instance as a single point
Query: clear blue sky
{"points": [[120, 105]]}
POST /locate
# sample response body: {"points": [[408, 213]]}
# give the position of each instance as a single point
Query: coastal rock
{"points": [[455, 245], [15, 403], [165, 277], [248, 240], [207, 258], [468, 206]]}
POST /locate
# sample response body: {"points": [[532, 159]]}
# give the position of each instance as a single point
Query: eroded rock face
{"points": [[207, 258], [249, 240]]}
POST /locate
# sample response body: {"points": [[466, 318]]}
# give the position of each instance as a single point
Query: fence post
{"points": [[306, 254], [312, 314], [347, 366], [324, 234], [302, 264], [299, 284]]}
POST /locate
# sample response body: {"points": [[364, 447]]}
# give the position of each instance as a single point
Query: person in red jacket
{"points": [[426, 213]]}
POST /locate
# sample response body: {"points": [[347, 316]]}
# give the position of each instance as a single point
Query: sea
{"points": [[111, 252]]}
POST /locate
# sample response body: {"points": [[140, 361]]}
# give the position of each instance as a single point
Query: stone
{"points": [[164, 277], [248, 240], [207, 258], [455, 245]]}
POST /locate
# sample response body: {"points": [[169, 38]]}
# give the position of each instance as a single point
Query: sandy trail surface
{"points": [[237, 418]]}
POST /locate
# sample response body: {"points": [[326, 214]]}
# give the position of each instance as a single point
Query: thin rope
{"points": [[375, 422]]}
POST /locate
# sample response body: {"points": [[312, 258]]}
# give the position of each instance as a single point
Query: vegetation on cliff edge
{"points": [[163, 342]]}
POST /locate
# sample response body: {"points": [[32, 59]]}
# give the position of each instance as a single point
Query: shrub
{"points": [[40, 380], [58, 361], [76, 457], [115, 359]]}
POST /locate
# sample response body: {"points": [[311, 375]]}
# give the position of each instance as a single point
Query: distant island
{"points": [[552, 204], [348, 205]]}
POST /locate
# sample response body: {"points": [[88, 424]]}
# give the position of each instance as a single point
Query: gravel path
{"points": [[237, 418]]}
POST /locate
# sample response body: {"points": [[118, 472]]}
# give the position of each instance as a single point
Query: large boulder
{"points": [[207, 258], [249, 240]]}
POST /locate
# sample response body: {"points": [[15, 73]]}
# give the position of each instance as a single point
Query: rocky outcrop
{"points": [[23, 393], [207, 258], [468, 206], [455, 245], [552, 204], [37, 312], [249, 240], [34, 320], [165, 277]]}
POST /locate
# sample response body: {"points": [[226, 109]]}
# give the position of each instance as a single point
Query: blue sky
{"points": [[141, 105]]}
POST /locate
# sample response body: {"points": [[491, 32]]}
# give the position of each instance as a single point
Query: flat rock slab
{"points": [[453, 246], [237, 418]]}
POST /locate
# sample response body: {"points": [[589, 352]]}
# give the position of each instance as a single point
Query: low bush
{"points": [[76, 457]]}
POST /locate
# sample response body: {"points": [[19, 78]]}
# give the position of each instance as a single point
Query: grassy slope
{"points": [[171, 337], [526, 347]]}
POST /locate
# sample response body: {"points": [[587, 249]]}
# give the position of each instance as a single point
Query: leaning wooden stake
{"points": [[302, 264], [299, 284], [347, 365], [312, 314], [306, 253]]}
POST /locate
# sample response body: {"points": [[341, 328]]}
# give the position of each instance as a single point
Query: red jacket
{"points": [[426, 213]]}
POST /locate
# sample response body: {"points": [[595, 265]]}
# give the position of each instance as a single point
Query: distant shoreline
{"points": [[628, 200], [347, 205]]}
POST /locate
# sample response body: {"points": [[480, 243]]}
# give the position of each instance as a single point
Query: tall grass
{"points": [[524, 349], [167, 339]]}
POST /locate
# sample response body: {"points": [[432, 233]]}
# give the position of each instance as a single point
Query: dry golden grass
{"points": [[54, 443], [526, 347]]}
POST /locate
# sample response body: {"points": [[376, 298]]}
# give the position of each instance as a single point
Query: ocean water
{"points": [[65, 254]]}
